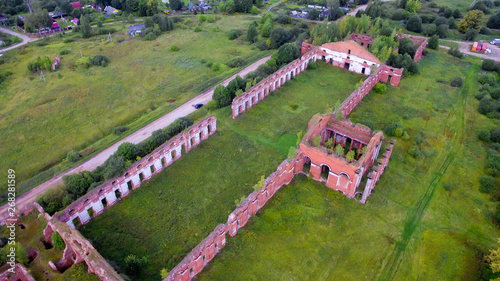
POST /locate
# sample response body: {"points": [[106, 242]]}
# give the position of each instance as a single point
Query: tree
{"points": [[85, 27], [267, 28], [339, 150], [494, 21], [442, 30], [128, 151], [221, 96], [73, 156], [113, 166], [287, 53], [434, 42], [490, 65], [413, 6], [148, 22], [471, 34], [279, 36], [350, 155], [77, 184], [375, 9], [414, 24], [175, 5], [406, 46], [252, 34], [58, 242], [313, 14], [472, 20]]}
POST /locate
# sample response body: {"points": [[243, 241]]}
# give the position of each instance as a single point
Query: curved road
{"points": [[90, 164], [25, 39]]}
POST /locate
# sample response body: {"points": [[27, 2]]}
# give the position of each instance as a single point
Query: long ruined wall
{"points": [[271, 83], [202, 254], [109, 193], [378, 170]]}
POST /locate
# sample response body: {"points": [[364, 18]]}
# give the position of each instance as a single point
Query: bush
{"points": [[484, 135], [52, 200], [492, 166], [236, 62], [73, 156], [486, 105], [233, 34], [391, 129], [489, 65], [114, 166], [84, 62], [380, 88], [486, 184], [415, 152], [119, 130], [64, 52], [174, 48], [456, 53], [58, 242], [447, 186], [101, 60], [211, 105], [133, 264], [150, 36], [197, 29], [495, 135], [40, 64], [487, 78], [457, 82]]}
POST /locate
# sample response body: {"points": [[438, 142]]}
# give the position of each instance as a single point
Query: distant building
{"points": [[136, 29], [110, 10], [76, 5]]}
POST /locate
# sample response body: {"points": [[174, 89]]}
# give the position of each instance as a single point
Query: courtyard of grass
{"points": [[411, 228], [76, 108], [169, 215]]}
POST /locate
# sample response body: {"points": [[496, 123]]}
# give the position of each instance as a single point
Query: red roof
{"points": [[76, 5], [353, 48]]}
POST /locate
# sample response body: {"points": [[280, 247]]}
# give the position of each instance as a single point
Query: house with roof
{"points": [[349, 55], [136, 29], [193, 8], [110, 10], [58, 15], [76, 5]]}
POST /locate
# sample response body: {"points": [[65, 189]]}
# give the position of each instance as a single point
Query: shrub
{"points": [[312, 65], [113, 167], [64, 52], [489, 65], [174, 48], [492, 166], [456, 82], [254, 10], [236, 62], [211, 105], [447, 186], [101, 60], [233, 34], [150, 36], [69, 40], [58, 242], [84, 62], [380, 88], [484, 135], [119, 130], [487, 78], [52, 200], [391, 129], [197, 29], [73, 156], [456, 53], [486, 105], [415, 152], [486, 184], [495, 135], [433, 42], [40, 64], [127, 150], [134, 264]]}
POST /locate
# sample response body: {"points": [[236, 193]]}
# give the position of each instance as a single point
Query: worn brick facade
{"points": [[109, 193]]}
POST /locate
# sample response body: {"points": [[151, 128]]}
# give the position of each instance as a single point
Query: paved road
{"points": [[25, 39], [138, 136]]}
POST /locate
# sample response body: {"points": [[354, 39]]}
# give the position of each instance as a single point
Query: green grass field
{"points": [[174, 211], [76, 107], [411, 227], [29, 238]]}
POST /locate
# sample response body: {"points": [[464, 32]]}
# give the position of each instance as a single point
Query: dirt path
{"points": [[25, 39], [138, 136], [466, 46]]}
